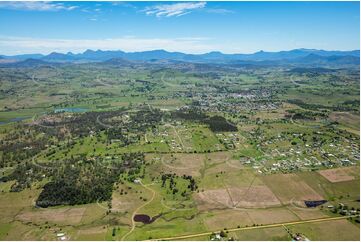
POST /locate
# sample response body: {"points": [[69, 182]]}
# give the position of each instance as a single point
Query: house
{"points": [[216, 237]]}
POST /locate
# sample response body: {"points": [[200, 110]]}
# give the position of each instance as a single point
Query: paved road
{"points": [[258, 227], [296, 83]]}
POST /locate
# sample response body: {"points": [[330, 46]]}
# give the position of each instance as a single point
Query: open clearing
{"points": [[348, 119], [218, 157], [227, 219], [290, 188], [278, 233], [93, 233], [183, 164], [340, 174], [241, 197], [307, 213], [329, 230], [253, 197], [271, 215], [253, 146], [212, 199], [54, 215]]}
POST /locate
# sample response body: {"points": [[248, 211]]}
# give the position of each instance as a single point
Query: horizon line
{"points": [[217, 51]]}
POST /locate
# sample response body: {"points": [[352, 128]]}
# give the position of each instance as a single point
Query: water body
{"points": [[17, 119], [142, 218], [70, 110], [145, 219]]}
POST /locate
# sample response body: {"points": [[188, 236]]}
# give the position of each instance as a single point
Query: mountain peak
{"points": [[100, 55], [88, 51]]}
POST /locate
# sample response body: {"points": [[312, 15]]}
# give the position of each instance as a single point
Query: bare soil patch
{"points": [[305, 213], [272, 215], [218, 157], [213, 199], [227, 218], [348, 119], [58, 215], [224, 167], [183, 164], [253, 197], [290, 188], [244, 197], [339, 174], [93, 230]]}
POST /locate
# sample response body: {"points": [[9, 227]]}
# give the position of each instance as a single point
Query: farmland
{"points": [[189, 148]]}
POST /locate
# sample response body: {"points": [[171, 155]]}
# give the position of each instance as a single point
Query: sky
{"points": [[190, 27]]}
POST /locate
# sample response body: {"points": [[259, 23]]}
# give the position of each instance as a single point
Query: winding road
{"points": [[136, 210]]}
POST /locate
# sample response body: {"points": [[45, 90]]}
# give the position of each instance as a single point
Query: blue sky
{"points": [[191, 27]]}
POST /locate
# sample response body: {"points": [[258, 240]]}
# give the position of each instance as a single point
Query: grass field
{"points": [[197, 148], [333, 230]]}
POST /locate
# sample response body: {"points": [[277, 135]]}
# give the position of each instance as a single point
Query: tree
{"points": [[223, 234]]}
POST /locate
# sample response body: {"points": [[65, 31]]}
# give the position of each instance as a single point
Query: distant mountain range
{"points": [[261, 57]]}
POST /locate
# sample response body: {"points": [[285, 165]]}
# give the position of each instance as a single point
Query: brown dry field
{"points": [[226, 166], [253, 197], [93, 233], [235, 164], [241, 197], [272, 216], [349, 119], [124, 205], [229, 218], [307, 213], [212, 199], [290, 188], [55, 215], [339, 174], [242, 178], [218, 157], [268, 234], [183, 164]]}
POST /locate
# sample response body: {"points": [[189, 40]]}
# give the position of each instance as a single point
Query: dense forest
{"points": [[87, 182], [216, 123]]}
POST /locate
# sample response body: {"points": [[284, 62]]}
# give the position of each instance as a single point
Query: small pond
{"points": [[17, 119], [70, 110]]}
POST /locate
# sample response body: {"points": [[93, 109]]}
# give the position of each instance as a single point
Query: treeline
{"points": [[24, 174], [192, 186], [215, 123], [75, 181], [88, 181], [353, 105], [220, 124], [83, 184], [82, 124], [305, 114], [20, 144]]}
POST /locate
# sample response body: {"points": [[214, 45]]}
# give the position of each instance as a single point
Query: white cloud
{"points": [[124, 4], [219, 10], [176, 9], [17, 45], [36, 6]]}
